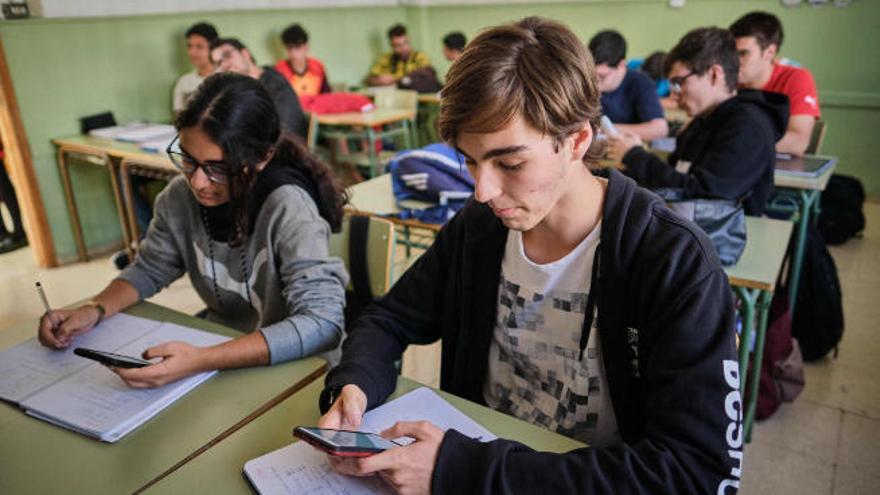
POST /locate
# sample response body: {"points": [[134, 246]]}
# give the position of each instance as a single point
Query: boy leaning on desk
{"points": [[576, 302]]}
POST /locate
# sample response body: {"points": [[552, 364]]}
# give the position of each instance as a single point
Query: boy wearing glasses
{"points": [[727, 150]]}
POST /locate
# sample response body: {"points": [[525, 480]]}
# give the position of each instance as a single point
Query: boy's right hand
{"points": [[348, 410], [58, 327]]}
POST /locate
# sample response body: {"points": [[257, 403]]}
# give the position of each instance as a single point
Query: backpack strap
{"points": [[359, 227]]}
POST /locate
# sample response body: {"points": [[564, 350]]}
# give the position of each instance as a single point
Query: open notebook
{"points": [[300, 468], [84, 396]]}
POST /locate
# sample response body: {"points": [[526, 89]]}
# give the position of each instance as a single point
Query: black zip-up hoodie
{"points": [[665, 317], [732, 151]]}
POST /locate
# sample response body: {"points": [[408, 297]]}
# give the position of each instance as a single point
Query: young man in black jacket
{"points": [[728, 149], [578, 303]]}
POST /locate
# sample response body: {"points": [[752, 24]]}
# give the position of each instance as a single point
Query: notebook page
{"points": [[29, 367], [96, 402], [300, 468]]}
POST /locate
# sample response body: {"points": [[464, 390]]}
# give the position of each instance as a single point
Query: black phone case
{"points": [[104, 358]]}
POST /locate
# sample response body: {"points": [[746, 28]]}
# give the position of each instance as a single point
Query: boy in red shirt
{"points": [[758, 38], [306, 75]]}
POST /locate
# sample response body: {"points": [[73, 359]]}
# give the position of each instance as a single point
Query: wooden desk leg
{"points": [[128, 195], [121, 208], [71, 205]]}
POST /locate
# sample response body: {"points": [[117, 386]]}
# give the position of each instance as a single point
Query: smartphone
{"points": [[110, 359], [343, 442]]}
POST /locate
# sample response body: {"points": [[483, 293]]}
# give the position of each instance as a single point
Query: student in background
{"points": [[400, 62], [758, 39], [306, 74], [453, 45], [230, 55], [198, 42], [577, 303], [727, 150], [629, 98], [249, 222]]}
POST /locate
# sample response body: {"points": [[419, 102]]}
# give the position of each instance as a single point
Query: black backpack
{"points": [[841, 216], [817, 323]]}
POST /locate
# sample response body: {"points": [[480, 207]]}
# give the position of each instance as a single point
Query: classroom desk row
{"points": [[200, 443]]}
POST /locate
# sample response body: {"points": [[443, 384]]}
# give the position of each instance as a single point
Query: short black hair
{"points": [[233, 42], [455, 41], [608, 47], [294, 35], [655, 65], [203, 29], [702, 48], [396, 31], [764, 26]]}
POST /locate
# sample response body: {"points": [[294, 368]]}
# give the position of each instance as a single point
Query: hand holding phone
{"points": [[344, 443], [111, 359]]}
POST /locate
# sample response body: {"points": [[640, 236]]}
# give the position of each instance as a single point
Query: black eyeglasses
{"points": [[675, 82], [216, 172]]}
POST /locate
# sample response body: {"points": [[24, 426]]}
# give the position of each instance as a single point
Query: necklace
{"points": [[241, 256]]}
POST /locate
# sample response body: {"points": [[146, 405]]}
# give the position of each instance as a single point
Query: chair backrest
{"points": [[406, 99], [380, 252], [817, 138]]}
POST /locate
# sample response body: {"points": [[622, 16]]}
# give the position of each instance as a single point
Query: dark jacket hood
{"points": [[775, 105]]}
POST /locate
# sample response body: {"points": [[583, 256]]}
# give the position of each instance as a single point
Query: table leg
{"points": [[808, 198], [127, 232], [763, 313], [75, 224]]}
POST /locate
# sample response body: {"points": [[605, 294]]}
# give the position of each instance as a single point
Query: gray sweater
{"points": [[296, 287]]}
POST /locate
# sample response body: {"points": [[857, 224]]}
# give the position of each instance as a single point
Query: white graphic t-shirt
{"points": [[534, 369]]}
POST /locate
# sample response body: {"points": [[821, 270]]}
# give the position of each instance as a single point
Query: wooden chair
{"points": [[817, 138], [379, 252]]}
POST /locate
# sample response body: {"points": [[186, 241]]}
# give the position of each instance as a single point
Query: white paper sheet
{"points": [[299, 468]]}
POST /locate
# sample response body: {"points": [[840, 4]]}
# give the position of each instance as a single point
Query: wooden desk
{"points": [[218, 471], [360, 128], [120, 159], [37, 457], [375, 197], [753, 280]]}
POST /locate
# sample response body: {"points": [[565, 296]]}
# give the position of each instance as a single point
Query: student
{"points": [[629, 98], [198, 41], [400, 62], [230, 55], [249, 222], [758, 39], [649, 380], [727, 150], [306, 74], [453, 45]]}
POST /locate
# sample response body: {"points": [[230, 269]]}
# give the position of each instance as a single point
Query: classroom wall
{"points": [[63, 69]]}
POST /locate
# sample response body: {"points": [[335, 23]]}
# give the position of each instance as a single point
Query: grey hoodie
{"points": [[297, 289]]}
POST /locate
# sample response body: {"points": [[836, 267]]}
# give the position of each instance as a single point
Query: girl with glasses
{"points": [[249, 223]]}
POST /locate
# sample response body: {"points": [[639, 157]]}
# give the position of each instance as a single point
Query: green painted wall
{"points": [[64, 69]]}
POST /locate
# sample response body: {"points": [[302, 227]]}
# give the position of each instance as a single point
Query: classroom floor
{"points": [[826, 442]]}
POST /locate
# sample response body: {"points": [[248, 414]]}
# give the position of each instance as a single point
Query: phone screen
{"points": [[350, 440]]}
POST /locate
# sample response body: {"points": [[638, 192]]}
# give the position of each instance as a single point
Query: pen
{"points": [[42, 294]]}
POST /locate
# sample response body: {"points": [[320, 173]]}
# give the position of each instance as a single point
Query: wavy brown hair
{"points": [[535, 68]]}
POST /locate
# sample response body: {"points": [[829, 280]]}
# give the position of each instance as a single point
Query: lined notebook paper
{"points": [[84, 396], [300, 468]]}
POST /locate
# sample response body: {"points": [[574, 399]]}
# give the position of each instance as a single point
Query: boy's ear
{"points": [[581, 140]]}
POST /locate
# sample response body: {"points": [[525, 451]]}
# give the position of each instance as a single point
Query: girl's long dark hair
{"points": [[238, 114]]}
